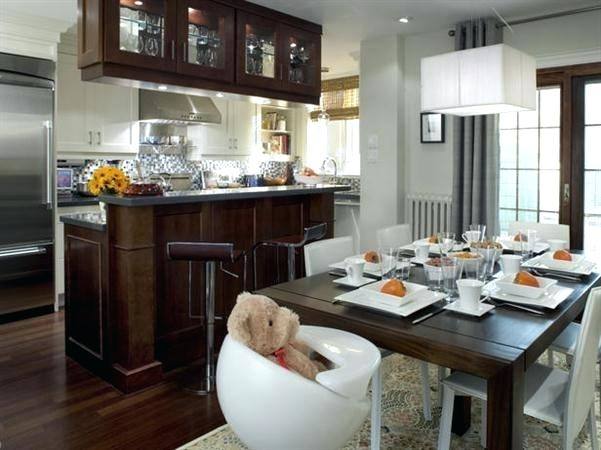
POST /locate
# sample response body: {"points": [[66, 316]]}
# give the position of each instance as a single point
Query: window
{"points": [[592, 167], [530, 161]]}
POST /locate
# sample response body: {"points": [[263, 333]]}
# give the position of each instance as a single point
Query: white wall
{"points": [[382, 168]]}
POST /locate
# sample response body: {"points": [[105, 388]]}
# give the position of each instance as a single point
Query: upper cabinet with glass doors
{"points": [[217, 45]]}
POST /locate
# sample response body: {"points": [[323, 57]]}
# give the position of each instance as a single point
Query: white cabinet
{"points": [[236, 135], [93, 117]]}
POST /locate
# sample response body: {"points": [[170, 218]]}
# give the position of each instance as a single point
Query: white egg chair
{"points": [[272, 408]]}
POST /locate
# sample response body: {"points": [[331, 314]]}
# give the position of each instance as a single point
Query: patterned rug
{"points": [[403, 425]]}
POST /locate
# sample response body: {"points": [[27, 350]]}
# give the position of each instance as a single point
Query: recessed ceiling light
{"points": [[162, 87], [220, 95], [404, 19], [138, 3]]}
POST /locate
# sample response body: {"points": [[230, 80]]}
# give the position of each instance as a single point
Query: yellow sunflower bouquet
{"points": [[108, 180]]}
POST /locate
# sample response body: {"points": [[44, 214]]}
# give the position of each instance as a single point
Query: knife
{"points": [[427, 316]]}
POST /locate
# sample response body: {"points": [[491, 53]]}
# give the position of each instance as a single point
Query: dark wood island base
{"points": [[127, 315]]}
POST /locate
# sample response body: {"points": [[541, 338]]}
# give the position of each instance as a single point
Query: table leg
{"points": [[505, 408], [376, 408]]}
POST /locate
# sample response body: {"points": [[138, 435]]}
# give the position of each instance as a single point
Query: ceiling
{"points": [[347, 22]]}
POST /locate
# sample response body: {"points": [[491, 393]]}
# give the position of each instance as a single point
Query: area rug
{"points": [[403, 425]]}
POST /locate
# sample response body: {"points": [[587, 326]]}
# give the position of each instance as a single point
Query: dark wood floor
{"points": [[48, 401]]}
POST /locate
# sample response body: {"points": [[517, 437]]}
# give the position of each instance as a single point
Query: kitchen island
{"points": [[127, 316]]}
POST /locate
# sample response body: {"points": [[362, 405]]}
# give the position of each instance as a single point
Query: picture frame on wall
{"points": [[432, 129]]}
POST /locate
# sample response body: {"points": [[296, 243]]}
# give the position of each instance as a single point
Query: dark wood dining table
{"points": [[500, 346]]}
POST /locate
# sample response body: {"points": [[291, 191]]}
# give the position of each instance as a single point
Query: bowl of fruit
{"points": [[524, 284], [308, 176]]}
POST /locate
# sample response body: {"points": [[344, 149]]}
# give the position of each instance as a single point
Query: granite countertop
{"points": [[209, 195], [93, 221], [74, 199]]}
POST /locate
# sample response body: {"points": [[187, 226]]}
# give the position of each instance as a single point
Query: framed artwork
{"points": [[432, 128]]}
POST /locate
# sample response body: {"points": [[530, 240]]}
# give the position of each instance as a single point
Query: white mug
{"points": [[422, 250], [354, 269], [511, 264], [469, 293], [557, 244], [471, 236]]}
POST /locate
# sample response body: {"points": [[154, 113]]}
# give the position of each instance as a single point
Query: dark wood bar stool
{"points": [[210, 254], [291, 244]]}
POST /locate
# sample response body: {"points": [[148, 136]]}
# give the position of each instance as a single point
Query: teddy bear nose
{"points": [[271, 323]]}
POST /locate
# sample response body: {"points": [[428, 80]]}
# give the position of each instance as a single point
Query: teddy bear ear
{"points": [[238, 323], [243, 296]]}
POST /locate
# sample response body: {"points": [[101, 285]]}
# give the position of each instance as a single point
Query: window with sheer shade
{"points": [[339, 98]]}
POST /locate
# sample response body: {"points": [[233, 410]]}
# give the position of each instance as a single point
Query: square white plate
{"points": [[516, 246], [369, 268], [506, 285], [418, 297], [557, 264], [551, 299], [538, 262], [483, 308], [346, 281]]}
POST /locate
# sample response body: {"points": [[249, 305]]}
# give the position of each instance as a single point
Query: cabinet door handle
{"points": [[566, 193], [281, 71], [99, 141], [89, 138], [185, 51], [173, 50]]}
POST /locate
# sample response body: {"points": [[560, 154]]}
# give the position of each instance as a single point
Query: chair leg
{"points": [[592, 421], [426, 391], [550, 358], [442, 374], [376, 408], [444, 432], [484, 416]]}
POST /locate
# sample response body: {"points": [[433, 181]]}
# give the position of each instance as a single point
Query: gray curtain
{"points": [[476, 146]]}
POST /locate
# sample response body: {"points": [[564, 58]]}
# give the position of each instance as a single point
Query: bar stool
{"points": [[291, 244], [210, 254]]}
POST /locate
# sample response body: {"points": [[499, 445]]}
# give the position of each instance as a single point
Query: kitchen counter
{"points": [[74, 199], [209, 195], [93, 221]]}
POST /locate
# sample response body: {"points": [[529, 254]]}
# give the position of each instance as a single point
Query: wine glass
{"points": [[446, 242]]}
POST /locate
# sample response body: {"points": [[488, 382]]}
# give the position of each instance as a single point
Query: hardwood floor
{"points": [[48, 401]]}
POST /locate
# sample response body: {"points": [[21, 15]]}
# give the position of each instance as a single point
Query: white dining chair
{"points": [[394, 236], [320, 254], [565, 399], [544, 231]]}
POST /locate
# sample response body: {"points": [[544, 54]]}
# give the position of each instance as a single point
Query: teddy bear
{"points": [[270, 330]]}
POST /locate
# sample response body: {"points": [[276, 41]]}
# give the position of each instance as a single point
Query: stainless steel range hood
{"points": [[169, 108]]}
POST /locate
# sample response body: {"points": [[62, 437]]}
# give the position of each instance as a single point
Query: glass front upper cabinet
{"points": [[301, 56], [207, 36]]}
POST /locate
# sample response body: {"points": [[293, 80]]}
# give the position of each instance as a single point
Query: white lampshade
{"points": [[484, 80]]}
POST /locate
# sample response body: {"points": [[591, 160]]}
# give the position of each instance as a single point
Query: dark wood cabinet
{"points": [[201, 45]]}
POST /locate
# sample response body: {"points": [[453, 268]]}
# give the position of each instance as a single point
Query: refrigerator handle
{"points": [[23, 251], [48, 197]]}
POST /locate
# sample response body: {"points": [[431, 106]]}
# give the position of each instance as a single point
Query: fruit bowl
{"points": [[309, 180], [506, 284]]}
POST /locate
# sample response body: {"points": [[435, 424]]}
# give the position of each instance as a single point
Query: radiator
{"points": [[428, 214]]}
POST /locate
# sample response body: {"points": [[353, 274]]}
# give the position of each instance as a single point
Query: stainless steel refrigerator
{"points": [[26, 186]]}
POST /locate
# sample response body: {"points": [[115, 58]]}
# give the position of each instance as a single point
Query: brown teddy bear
{"points": [[270, 330]]}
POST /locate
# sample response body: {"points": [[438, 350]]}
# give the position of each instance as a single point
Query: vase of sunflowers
{"points": [[107, 180]]}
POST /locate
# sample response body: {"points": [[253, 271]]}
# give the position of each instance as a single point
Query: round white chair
{"points": [[272, 408]]}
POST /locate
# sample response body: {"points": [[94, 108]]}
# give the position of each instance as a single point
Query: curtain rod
{"points": [[545, 16]]}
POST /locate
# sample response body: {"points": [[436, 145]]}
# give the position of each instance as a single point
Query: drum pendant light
{"points": [[485, 80]]}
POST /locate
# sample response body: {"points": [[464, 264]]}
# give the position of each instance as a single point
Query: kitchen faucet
{"points": [[327, 160]]}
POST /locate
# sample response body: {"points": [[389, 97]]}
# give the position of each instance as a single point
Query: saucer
{"points": [[482, 309], [346, 281]]}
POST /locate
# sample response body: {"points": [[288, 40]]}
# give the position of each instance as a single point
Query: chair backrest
{"points": [[394, 236], [544, 230], [319, 255], [314, 233], [581, 390]]}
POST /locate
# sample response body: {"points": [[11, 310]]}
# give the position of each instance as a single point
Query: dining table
{"points": [[499, 346]]}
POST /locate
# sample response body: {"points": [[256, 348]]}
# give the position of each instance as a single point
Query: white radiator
{"points": [[428, 214]]}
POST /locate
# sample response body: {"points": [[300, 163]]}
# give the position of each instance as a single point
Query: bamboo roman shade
{"points": [[339, 98]]}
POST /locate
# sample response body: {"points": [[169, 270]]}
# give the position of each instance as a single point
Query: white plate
{"points": [[516, 246], [369, 268], [557, 264], [507, 286], [346, 281], [552, 298], [584, 268], [418, 297], [483, 308]]}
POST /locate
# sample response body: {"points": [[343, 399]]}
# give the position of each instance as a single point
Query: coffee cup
{"points": [[422, 250], [557, 244], [469, 293], [471, 236], [354, 269], [510, 264]]}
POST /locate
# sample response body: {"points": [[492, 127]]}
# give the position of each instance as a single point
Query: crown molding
{"points": [[569, 58]]}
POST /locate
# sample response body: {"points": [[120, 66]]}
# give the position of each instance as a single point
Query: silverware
{"points": [[427, 316], [560, 276], [513, 305]]}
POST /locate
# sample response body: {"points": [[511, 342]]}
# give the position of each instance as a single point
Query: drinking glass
{"points": [[472, 268], [403, 267], [490, 251], [450, 274], [433, 277], [388, 262], [446, 242]]}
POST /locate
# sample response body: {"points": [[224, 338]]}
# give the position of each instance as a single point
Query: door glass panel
{"points": [[206, 38], [301, 60], [260, 50], [142, 27], [592, 169]]}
